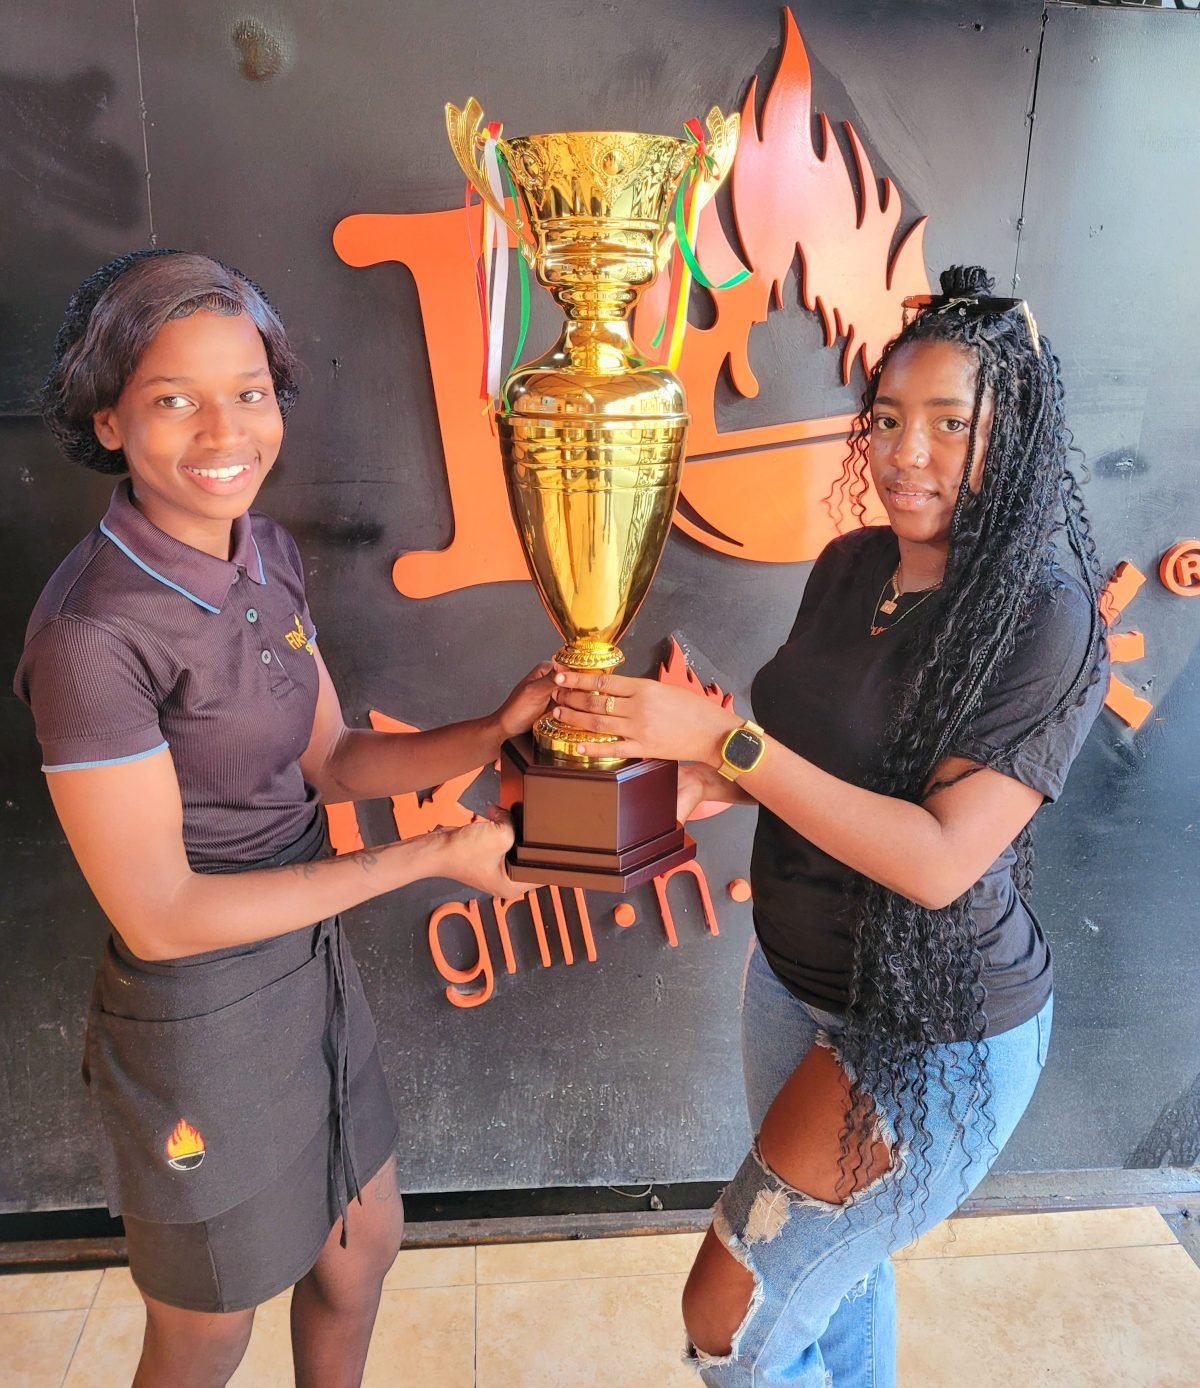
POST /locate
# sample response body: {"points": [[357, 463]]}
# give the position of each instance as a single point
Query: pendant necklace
{"points": [[888, 606]]}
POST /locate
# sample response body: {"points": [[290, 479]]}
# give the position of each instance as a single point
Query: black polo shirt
{"points": [[140, 643]]}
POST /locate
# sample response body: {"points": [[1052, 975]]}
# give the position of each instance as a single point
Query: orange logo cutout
{"points": [[1179, 569], [185, 1147], [1124, 646], [758, 493]]}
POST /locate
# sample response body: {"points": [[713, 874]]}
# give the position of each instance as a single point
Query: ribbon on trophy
{"points": [[491, 256], [685, 266]]}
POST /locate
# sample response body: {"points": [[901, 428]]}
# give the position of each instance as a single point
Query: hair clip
{"points": [[917, 304]]}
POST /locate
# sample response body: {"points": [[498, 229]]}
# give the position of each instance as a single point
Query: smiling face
{"points": [[920, 426], [198, 423]]}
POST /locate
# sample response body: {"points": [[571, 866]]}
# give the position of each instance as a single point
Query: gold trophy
{"points": [[592, 438]]}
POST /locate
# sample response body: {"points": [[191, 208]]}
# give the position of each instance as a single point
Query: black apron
{"points": [[209, 1073]]}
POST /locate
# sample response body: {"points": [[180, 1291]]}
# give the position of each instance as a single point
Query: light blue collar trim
{"points": [[141, 563], [262, 573]]}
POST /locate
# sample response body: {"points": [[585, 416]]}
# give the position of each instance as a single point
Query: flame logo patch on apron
{"points": [[185, 1147]]}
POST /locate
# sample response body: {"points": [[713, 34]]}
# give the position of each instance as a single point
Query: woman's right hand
{"points": [[693, 788], [702, 784], [475, 855]]}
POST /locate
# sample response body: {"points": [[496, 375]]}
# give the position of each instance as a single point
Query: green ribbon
{"points": [[689, 254], [686, 250], [523, 277]]}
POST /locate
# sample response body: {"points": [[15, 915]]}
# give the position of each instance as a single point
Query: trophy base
{"points": [[608, 829]]}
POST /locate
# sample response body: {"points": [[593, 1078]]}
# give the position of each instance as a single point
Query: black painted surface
{"points": [[258, 141]]}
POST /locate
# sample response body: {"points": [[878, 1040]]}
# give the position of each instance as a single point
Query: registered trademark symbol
{"points": [[1179, 569]]}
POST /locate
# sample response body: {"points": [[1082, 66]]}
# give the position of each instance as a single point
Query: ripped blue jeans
{"points": [[823, 1312]]}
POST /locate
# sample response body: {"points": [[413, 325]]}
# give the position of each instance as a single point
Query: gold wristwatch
{"points": [[742, 751]]}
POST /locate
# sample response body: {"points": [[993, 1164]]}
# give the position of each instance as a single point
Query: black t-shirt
{"points": [[828, 694]]}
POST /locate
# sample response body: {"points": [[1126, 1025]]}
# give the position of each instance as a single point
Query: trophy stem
{"points": [[590, 655]]}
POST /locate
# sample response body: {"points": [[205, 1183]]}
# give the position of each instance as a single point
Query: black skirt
{"points": [[242, 1105]]}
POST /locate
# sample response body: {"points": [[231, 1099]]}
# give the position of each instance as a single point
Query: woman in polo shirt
{"points": [[940, 676], [189, 730]]}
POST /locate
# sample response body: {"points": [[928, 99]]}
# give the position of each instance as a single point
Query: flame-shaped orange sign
{"points": [[762, 492], [185, 1147]]}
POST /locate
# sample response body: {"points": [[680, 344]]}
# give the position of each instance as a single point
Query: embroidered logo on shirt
{"points": [[185, 1147], [297, 639]]}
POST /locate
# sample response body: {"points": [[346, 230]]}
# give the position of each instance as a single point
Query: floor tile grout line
{"points": [[47, 1311], [590, 1277], [929, 1258], [82, 1327], [1033, 1252]]}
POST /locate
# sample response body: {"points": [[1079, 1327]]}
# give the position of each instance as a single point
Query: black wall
{"points": [[250, 135]]}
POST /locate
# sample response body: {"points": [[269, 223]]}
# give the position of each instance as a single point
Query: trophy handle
{"points": [[723, 133], [722, 143], [465, 138]]}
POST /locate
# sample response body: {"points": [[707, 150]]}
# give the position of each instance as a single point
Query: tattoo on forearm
{"points": [[366, 859]]}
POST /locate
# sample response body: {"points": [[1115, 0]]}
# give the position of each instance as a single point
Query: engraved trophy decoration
{"points": [[592, 438]]}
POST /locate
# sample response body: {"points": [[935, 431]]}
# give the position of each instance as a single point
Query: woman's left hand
{"points": [[651, 719], [527, 702]]}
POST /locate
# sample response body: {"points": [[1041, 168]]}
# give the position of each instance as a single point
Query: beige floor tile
{"points": [[116, 1289], [556, 1262], [619, 1332], [112, 1341], [48, 1291], [1094, 1319], [1041, 1233], [424, 1336], [108, 1348], [431, 1267], [268, 1361], [35, 1347]]}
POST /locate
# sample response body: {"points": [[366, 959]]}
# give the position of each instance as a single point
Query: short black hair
{"points": [[113, 317]]}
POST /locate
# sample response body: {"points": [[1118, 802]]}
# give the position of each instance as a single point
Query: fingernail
{"points": [[558, 679]]}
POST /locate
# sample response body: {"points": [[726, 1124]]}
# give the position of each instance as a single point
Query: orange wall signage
{"points": [[473, 984], [1179, 569], [1124, 646]]}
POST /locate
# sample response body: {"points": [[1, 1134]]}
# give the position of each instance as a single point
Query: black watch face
{"points": [[742, 749]]}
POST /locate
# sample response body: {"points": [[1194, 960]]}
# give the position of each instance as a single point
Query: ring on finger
{"points": [[609, 704], [595, 693]]}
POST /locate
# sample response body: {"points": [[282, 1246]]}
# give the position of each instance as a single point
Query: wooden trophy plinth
{"points": [[607, 829]]}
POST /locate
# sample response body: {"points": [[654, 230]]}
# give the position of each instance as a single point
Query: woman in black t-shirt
{"points": [[940, 677]]}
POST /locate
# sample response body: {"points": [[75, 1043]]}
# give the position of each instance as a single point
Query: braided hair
{"points": [[916, 974], [113, 317]]}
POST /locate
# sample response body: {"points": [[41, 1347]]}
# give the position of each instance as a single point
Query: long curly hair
{"points": [[112, 319], [916, 978]]}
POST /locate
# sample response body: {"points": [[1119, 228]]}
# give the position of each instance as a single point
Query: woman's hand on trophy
{"points": [[650, 719], [475, 855], [528, 701]]}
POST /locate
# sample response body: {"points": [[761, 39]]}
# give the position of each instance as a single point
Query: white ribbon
{"points": [[495, 243]]}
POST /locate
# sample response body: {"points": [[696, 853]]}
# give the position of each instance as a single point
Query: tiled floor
{"points": [[1081, 1300]]}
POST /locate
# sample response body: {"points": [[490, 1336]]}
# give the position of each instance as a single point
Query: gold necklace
{"points": [[888, 607]]}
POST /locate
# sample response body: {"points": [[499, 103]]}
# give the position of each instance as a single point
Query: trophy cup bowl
{"points": [[592, 439]]}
